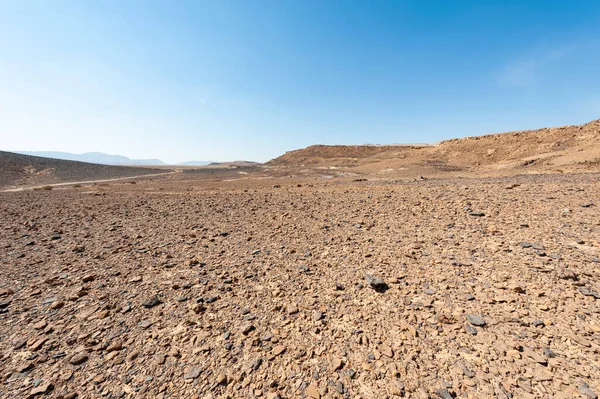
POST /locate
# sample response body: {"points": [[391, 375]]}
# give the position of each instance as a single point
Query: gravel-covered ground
{"points": [[467, 288]]}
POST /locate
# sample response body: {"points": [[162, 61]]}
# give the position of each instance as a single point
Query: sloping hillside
{"points": [[567, 148], [340, 155], [18, 170]]}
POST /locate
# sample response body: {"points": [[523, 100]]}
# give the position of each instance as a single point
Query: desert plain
{"points": [[330, 273]]}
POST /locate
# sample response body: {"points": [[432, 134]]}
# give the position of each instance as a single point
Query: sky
{"points": [[228, 80]]}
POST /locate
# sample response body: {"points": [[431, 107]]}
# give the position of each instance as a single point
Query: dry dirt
{"points": [[246, 286]]}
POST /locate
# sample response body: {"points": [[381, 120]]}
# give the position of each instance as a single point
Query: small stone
{"points": [[549, 353], [580, 340], [88, 278], [222, 379], [470, 329], [247, 328], [476, 214], [24, 367], [145, 324], [79, 358], [536, 357], [376, 283], [517, 288], [133, 355], [386, 350], [278, 350], [337, 364], [476, 320], [38, 344], [443, 394], [587, 292], [396, 388], [257, 363], [181, 299], [192, 374], [114, 346], [40, 325], [41, 390], [585, 390], [313, 392], [151, 302]]}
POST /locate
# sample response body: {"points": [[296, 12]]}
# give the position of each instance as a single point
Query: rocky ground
{"points": [[468, 288]]}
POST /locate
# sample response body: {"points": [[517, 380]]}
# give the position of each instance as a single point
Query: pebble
{"points": [[376, 283], [192, 374], [151, 302], [476, 320], [79, 358]]}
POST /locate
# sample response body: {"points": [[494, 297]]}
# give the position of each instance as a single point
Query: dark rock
{"points": [[476, 320], [549, 353], [470, 329], [376, 283], [444, 394], [152, 302], [587, 292]]}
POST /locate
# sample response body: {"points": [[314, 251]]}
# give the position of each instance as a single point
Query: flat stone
{"points": [[151, 302], [470, 329], [476, 320], [79, 358], [41, 389], [278, 350], [193, 373], [145, 324], [312, 391]]}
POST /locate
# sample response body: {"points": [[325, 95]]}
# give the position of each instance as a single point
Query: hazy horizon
{"points": [[234, 80]]}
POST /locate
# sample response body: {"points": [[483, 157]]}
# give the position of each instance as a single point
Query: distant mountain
{"points": [[93, 157], [195, 163]]}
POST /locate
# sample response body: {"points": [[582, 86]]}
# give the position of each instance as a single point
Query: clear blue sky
{"points": [[221, 80]]}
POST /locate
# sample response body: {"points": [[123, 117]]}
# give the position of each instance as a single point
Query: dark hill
{"points": [[17, 170]]}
